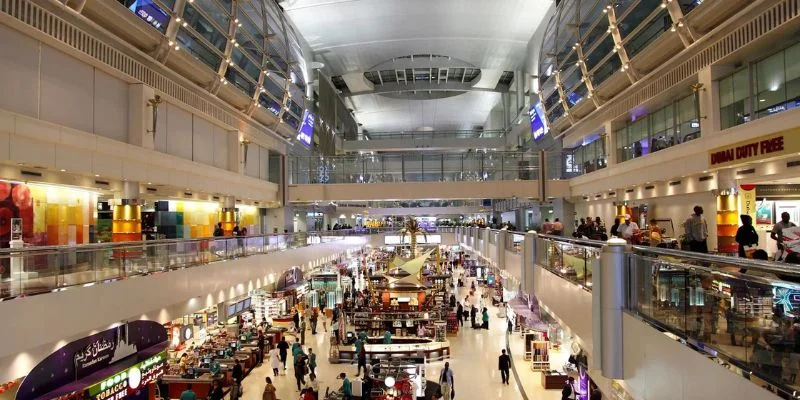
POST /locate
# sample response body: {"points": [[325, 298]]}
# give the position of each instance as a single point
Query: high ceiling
{"points": [[353, 36]]}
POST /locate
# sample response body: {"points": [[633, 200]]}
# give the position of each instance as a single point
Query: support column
{"points": [[608, 300], [127, 215], [228, 214], [610, 143], [485, 234], [142, 116], [707, 95], [236, 153], [529, 256], [500, 246]]}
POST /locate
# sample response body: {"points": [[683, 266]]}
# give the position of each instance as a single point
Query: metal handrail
{"points": [[746, 263], [487, 134]]}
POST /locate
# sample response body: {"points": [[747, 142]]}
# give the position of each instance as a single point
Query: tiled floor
{"points": [[474, 363]]}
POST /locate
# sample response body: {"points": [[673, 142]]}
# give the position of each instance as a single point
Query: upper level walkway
{"points": [[427, 140], [659, 323]]}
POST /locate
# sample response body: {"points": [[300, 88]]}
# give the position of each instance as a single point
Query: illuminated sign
{"points": [[151, 13], [306, 132], [538, 124], [128, 381], [777, 144]]}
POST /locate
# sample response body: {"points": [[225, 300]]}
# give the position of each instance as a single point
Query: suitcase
{"points": [[357, 387]]}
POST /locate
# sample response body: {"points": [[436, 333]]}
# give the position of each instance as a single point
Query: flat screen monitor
{"points": [[221, 353], [305, 134], [233, 345], [207, 361], [190, 371], [151, 13], [239, 306], [243, 338], [538, 124], [231, 310], [247, 303]]}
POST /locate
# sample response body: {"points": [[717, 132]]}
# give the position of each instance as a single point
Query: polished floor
{"points": [[474, 364]]}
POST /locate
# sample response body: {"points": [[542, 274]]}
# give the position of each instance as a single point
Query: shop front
{"points": [[122, 362]]}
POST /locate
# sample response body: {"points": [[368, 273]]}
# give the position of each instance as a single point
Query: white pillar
{"points": [[529, 255], [608, 300], [140, 116], [500, 245]]}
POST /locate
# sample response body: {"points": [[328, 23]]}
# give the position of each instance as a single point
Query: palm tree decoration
{"points": [[412, 229]]}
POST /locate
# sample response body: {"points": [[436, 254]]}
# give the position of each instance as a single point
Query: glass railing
{"points": [[415, 135], [744, 312], [44, 269], [572, 259], [415, 167]]}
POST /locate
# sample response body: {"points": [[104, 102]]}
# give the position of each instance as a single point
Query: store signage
{"points": [[538, 125], [128, 381], [93, 354], [774, 145], [748, 202], [151, 13]]}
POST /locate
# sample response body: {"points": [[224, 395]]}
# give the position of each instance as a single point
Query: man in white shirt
{"points": [[627, 229]]}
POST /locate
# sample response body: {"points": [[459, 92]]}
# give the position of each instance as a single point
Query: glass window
{"points": [[291, 120], [600, 52], [770, 85], [568, 81], [654, 28], [662, 129], [552, 100], [623, 150], [216, 12], [636, 16], [606, 70], [793, 76], [591, 12], [295, 109], [204, 28], [273, 87], [246, 64], [555, 113], [595, 34], [688, 123], [236, 77], [638, 137], [733, 95], [577, 95], [197, 49], [269, 104]]}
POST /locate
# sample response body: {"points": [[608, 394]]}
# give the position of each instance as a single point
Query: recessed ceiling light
{"points": [[63, 170], [96, 175]]}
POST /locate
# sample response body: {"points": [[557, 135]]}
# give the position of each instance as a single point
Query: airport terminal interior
{"points": [[399, 199]]}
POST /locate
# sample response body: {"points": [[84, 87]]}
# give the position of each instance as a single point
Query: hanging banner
{"points": [[748, 205]]}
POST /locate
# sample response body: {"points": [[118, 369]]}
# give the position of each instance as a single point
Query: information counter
{"points": [[200, 385], [401, 347]]}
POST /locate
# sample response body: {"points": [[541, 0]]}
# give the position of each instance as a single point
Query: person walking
{"points": [[485, 318], [275, 360], [472, 315], [238, 372], [216, 392], [313, 320], [302, 331], [300, 369], [260, 352], [459, 314], [777, 234], [283, 348], [746, 235], [447, 382], [362, 361], [312, 360], [269, 391], [504, 364], [696, 231]]}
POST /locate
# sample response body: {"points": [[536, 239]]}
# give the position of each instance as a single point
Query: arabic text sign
{"points": [[306, 131], [119, 385]]}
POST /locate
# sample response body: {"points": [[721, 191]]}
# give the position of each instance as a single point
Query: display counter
{"points": [[553, 379], [401, 347], [283, 321], [200, 385]]}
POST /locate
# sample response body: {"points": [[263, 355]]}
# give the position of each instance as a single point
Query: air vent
{"points": [[675, 183], [586, 197], [649, 187], [256, 203], [791, 164], [629, 191], [705, 178], [597, 196], [187, 194], [746, 171], [30, 173], [612, 193], [151, 190], [104, 183], [215, 198]]}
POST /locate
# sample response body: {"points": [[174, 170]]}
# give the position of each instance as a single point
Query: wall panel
{"points": [[203, 141], [220, 148], [67, 90], [19, 80], [179, 132], [110, 106]]}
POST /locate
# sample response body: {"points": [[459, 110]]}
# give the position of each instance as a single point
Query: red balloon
{"points": [[5, 190]]}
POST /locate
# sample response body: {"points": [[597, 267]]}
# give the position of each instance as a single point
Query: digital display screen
{"points": [[231, 310], [538, 124], [239, 306], [305, 133], [247, 303], [150, 13]]}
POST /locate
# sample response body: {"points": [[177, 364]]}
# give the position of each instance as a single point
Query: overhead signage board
{"points": [[151, 13], [538, 124], [756, 149], [396, 240], [129, 380]]}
